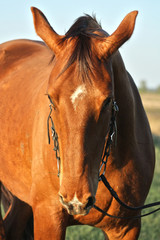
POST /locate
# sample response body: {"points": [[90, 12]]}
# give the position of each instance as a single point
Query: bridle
{"points": [[111, 135], [54, 134]]}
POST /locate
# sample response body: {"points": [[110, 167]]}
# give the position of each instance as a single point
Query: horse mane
{"points": [[83, 30], [84, 25]]}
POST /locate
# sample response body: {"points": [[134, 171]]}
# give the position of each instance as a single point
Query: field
{"points": [[150, 224]]}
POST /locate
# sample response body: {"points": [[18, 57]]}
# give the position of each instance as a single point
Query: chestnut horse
{"points": [[83, 74]]}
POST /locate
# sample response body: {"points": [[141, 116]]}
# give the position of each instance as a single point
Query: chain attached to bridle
{"points": [[54, 135], [111, 134], [106, 153]]}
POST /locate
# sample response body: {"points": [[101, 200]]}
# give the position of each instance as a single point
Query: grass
{"points": [[150, 224], [84, 233], [151, 102]]}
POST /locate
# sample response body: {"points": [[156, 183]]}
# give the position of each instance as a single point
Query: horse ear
{"points": [[45, 31], [124, 31]]}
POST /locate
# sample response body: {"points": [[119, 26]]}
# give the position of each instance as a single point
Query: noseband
{"points": [[111, 134]]}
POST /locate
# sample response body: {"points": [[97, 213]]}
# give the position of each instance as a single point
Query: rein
{"points": [[106, 154], [115, 196]]}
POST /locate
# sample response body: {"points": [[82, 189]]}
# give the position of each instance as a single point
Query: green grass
{"points": [[84, 233], [150, 224], [2, 210]]}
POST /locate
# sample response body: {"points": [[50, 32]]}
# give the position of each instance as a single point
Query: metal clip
{"points": [[58, 166], [115, 106], [54, 135], [112, 136]]}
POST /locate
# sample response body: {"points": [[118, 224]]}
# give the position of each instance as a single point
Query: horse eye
{"points": [[106, 103]]}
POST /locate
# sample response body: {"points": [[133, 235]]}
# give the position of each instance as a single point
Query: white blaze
{"points": [[75, 200], [78, 95]]}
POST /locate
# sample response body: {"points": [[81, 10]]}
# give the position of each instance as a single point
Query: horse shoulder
{"points": [[24, 74]]}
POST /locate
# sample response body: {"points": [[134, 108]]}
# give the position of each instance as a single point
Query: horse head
{"points": [[81, 87]]}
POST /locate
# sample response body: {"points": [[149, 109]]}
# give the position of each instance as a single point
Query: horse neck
{"points": [[122, 84]]}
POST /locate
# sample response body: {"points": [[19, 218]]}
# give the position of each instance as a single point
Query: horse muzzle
{"points": [[75, 207]]}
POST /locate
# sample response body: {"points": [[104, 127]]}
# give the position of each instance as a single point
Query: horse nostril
{"points": [[91, 201]]}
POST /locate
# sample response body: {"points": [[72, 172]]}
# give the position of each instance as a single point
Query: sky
{"points": [[141, 54]]}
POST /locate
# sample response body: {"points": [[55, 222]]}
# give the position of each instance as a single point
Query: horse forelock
{"points": [[84, 25], [82, 31]]}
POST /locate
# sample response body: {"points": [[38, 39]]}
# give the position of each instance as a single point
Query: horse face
{"points": [[81, 117], [80, 87], [82, 121]]}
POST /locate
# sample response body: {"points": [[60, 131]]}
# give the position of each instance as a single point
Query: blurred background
{"points": [[141, 55]]}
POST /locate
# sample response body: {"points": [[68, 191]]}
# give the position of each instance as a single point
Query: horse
{"points": [[75, 81], [17, 215]]}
